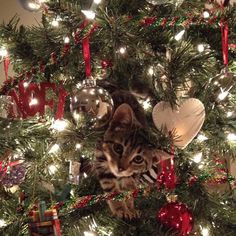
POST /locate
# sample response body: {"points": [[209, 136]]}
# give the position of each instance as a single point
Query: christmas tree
{"points": [[75, 74]]}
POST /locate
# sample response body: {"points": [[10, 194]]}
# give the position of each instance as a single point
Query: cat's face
{"points": [[127, 153]]}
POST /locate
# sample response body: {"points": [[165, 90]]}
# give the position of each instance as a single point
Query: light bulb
{"points": [[231, 137], [33, 5], [151, 71], [205, 232], [78, 145], [200, 47], [59, 125], [146, 104], [122, 50], [206, 14], [202, 138], [54, 148], [223, 95], [52, 169], [66, 39], [197, 157], [55, 23], [3, 52], [33, 102], [89, 14], [97, 1], [26, 84], [2, 223], [180, 35], [229, 113]]}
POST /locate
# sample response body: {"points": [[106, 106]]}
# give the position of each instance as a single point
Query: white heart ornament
{"points": [[184, 122]]}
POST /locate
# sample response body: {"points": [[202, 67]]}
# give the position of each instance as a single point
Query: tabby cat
{"points": [[123, 155]]}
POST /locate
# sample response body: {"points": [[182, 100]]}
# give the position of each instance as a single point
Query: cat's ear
{"points": [[159, 155], [124, 117]]}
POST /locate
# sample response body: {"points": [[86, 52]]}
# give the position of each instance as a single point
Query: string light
{"points": [[78, 145], [122, 50], [33, 6], [2, 223], [223, 95], [52, 169], [201, 138], [55, 148], [180, 35], [59, 125], [231, 137], [151, 70], [33, 102], [205, 232], [97, 1], [26, 84], [206, 14], [146, 104], [3, 52], [200, 47], [89, 233], [66, 40], [55, 22], [89, 14], [229, 113], [197, 157]]}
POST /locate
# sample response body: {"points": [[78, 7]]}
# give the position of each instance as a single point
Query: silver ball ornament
{"points": [[91, 104]]}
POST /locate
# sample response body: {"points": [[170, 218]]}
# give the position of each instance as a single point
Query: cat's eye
{"points": [[118, 148], [138, 159]]}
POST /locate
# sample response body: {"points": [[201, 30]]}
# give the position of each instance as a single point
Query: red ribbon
{"points": [[225, 43], [6, 66], [86, 51]]}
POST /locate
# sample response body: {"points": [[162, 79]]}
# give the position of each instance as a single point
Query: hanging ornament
{"points": [[12, 172], [30, 5], [92, 102], [44, 222], [5, 106], [183, 122], [176, 215]]}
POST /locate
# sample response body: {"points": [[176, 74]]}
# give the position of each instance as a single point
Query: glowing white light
{"points": [[205, 232], [206, 14], [55, 23], [92, 91], [2, 223], [180, 35], [85, 175], [33, 102], [89, 233], [201, 137], [229, 113], [33, 6], [89, 14], [197, 157], [3, 52], [78, 145], [26, 84], [66, 39], [122, 50], [97, 1], [59, 125], [223, 95], [200, 47], [146, 104], [52, 169], [150, 71], [231, 137], [200, 166], [54, 148]]}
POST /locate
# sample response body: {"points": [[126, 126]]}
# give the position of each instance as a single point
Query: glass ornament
{"points": [[177, 216], [91, 104]]}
